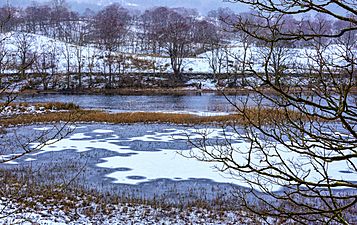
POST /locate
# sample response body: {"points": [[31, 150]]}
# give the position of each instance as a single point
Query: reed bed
{"points": [[261, 116]]}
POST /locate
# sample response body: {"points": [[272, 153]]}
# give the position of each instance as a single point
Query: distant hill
{"points": [[203, 6]]}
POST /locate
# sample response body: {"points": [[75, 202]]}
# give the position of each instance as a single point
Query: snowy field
{"points": [[86, 65], [91, 57]]}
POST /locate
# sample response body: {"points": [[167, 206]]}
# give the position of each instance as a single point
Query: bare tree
{"points": [[8, 18], [175, 38], [62, 20], [205, 35], [93, 58], [216, 57], [4, 59], [300, 152], [152, 21], [68, 55], [36, 18], [176, 43], [244, 57], [46, 62], [53, 60], [169, 33], [25, 54], [223, 17], [82, 32], [111, 27], [41, 65]]}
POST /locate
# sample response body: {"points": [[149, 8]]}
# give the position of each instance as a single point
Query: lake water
{"points": [[204, 104], [200, 104]]}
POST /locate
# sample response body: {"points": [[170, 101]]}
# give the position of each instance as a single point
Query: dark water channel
{"points": [[203, 104], [174, 103]]}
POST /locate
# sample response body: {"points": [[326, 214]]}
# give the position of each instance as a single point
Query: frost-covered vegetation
{"points": [[21, 202]]}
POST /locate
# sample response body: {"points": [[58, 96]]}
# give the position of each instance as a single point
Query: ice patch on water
{"points": [[162, 164], [101, 131], [167, 163], [42, 128], [30, 159]]}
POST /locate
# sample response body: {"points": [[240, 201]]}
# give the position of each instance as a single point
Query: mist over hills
{"points": [[203, 6]]}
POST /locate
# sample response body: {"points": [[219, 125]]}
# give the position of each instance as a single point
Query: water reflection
{"points": [[204, 103], [194, 103]]}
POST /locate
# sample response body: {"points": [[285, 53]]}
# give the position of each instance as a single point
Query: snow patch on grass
{"points": [[114, 214]]}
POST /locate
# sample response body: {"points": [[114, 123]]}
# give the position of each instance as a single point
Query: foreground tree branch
{"points": [[301, 166]]}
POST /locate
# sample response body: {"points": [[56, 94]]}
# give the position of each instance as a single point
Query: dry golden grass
{"points": [[23, 188], [262, 116]]}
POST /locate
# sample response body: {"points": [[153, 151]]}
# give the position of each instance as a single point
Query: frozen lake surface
{"points": [[140, 153], [143, 153], [142, 160]]}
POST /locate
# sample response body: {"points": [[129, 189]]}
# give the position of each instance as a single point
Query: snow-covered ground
{"points": [[91, 57], [13, 110], [88, 64], [55, 213]]}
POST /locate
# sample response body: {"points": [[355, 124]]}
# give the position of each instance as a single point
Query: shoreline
{"points": [[162, 91]]}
